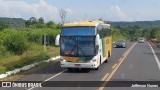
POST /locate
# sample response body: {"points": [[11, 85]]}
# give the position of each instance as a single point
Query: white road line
{"points": [[157, 60], [54, 76], [50, 78]]}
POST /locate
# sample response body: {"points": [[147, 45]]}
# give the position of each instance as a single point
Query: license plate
{"points": [[77, 65]]}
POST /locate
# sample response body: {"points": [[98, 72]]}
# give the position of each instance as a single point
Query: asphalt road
{"points": [[136, 62]]}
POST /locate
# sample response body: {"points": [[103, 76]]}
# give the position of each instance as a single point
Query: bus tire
{"points": [[109, 55], [96, 68], [106, 61], [70, 69]]}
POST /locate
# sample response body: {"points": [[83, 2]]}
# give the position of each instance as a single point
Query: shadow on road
{"points": [[85, 70]]}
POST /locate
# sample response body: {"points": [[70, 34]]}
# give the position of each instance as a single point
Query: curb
{"points": [[27, 67]]}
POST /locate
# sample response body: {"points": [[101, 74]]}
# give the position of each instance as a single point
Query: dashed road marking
{"points": [[50, 78], [105, 76], [120, 59], [116, 68]]}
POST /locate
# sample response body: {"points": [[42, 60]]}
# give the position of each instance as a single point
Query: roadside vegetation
{"points": [[23, 46], [132, 33]]}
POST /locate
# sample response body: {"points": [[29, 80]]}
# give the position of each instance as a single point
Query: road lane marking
{"points": [[105, 76], [126, 52], [54, 75], [120, 59], [155, 56], [50, 78], [116, 68]]}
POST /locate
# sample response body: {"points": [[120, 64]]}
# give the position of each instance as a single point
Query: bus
{"points": [[85, 44]]}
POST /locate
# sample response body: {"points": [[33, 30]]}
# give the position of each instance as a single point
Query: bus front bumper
{"points": [[78, 65]]}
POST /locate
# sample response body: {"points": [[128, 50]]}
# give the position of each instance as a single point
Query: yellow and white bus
{"points": [[85, 44]]}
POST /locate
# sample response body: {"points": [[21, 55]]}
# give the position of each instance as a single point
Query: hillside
{"points": [[136, 23], [13, 22], [20, 22]]}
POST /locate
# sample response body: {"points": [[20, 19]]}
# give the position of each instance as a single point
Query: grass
{"points": [[32, 70], [36, 53]]}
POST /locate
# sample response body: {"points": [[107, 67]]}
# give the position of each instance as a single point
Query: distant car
{"points": [[120, 43], [141, 40]]}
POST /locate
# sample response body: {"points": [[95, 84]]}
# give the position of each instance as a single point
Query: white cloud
{"points": [[118, 13], [22, 9], [69, 11]]}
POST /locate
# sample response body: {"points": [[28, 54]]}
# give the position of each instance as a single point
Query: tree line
{"points": [[33, 22], [132, 33], [18, 40]]}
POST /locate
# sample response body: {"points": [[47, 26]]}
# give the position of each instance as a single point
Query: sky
{"points": [[109, 10]]}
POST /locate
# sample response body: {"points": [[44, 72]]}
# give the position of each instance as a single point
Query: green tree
{"points": [[40, 23], [146, 33], [3, 25], [41, 20], [51, 24], [59, 26], [16, 43], [31, 22]]}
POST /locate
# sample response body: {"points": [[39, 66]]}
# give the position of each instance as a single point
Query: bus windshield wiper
{"points": [[72, 50], [81, 50]]}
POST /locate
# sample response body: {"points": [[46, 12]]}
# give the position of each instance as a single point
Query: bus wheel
{"points": [[70, 69], [109, 55], [96, 68], [106, 61]]}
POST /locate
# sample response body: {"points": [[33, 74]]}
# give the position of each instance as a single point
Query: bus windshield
{"points": [[68, 46], [78, 46]]}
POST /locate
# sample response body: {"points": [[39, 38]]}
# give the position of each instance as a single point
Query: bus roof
{"points": [[85, 23]]}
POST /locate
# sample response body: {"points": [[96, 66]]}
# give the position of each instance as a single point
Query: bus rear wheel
{"points": [[106, 61]]}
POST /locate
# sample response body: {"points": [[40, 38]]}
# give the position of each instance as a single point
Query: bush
{"points": [[36, 35], [16, 43]]}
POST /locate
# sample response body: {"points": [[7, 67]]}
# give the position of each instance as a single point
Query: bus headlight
{"points": [[61, 58], [64, 60], [93, 60]]}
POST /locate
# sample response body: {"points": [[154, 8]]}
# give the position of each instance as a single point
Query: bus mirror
{"points": [[57, 40], [97, 39]]}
